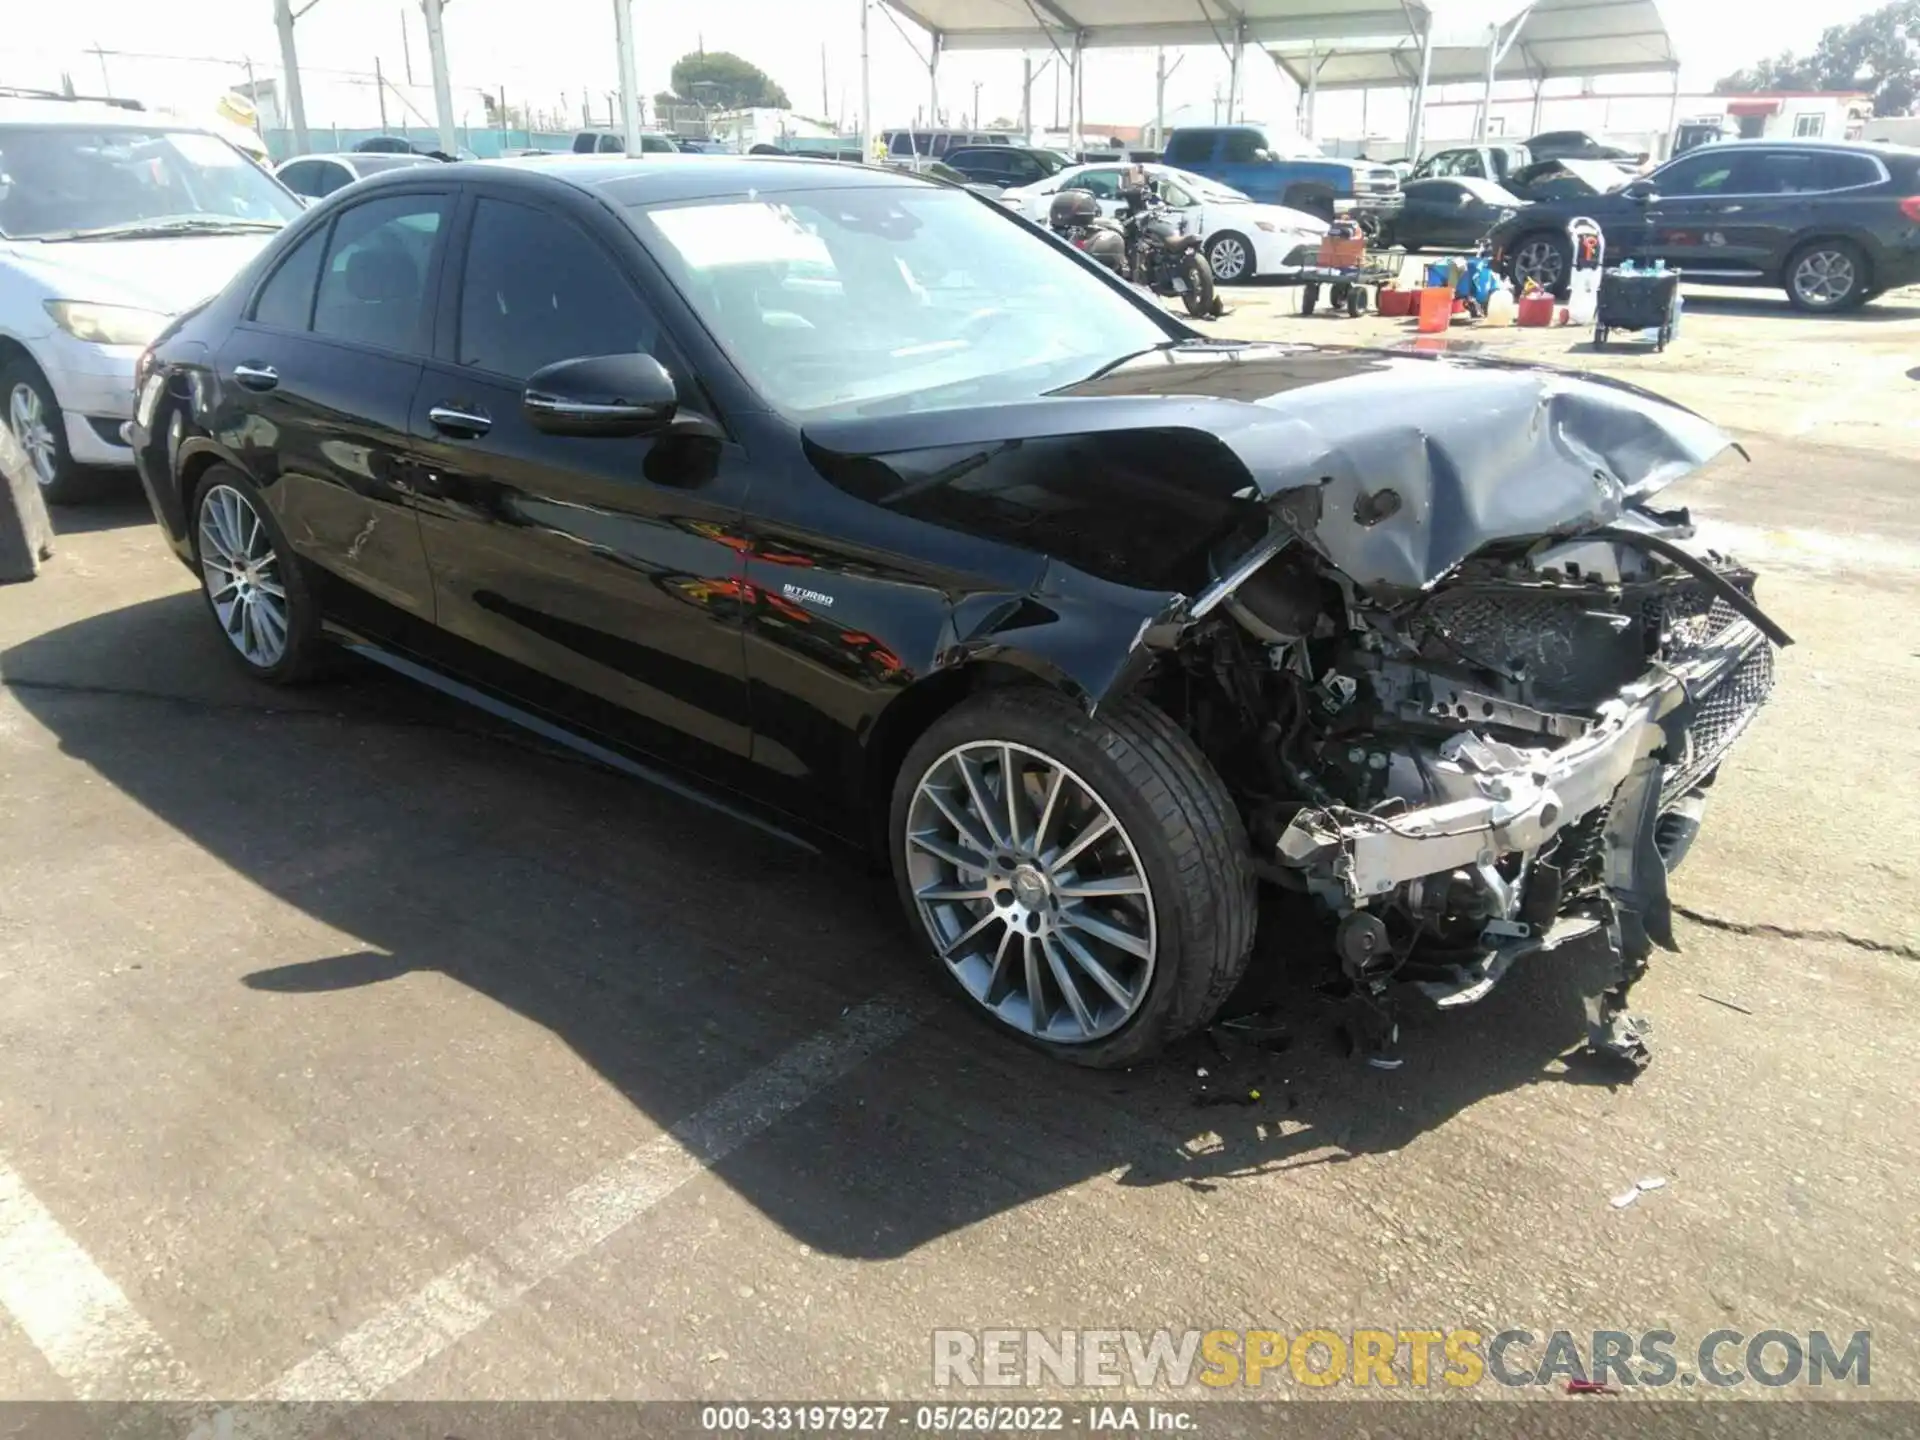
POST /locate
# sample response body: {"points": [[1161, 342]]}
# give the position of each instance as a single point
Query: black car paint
{"points": [[781, 610], [1747, 239], [1443, 213]]}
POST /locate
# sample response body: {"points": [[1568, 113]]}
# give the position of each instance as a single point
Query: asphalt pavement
{"points": [[351, 1048]]}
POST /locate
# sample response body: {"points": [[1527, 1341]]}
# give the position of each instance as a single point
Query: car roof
{"points": [[1760, 142], [625, 180], [92, 114]]}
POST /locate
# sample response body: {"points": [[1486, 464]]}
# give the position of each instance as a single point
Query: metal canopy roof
{"points": [[1555, 38], [1020, 25]]}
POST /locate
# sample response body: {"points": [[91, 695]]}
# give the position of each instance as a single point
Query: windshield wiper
{"points": [[185, 225]]}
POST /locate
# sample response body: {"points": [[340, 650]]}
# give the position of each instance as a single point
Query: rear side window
{"points": [[1243, 148], [286, 300], [1841, 171], [537, 290], [373, 287], [1790, 173], [1190, 147]]}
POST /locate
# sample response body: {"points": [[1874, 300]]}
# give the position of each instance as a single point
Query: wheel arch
{"points": [[198, 454]]}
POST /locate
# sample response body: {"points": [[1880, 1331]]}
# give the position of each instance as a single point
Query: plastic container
{"points": [[1534, 310], [1436, 309], [1501, 306], [1397, 303]]}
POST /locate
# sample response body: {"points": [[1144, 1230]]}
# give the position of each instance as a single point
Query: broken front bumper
{"points": [[1689, 712]]}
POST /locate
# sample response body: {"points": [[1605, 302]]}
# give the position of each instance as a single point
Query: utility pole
{"points": [[406, 49], [976, 105], [629, 73], [379, 91], [290, 68], [1161, 70], [442, 84], [106, 81]]}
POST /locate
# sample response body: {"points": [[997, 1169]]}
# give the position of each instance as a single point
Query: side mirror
{"points": [[1641, 192], [609, 395]]}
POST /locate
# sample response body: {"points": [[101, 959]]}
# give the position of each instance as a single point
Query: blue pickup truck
{"points": [[1286, 170]]}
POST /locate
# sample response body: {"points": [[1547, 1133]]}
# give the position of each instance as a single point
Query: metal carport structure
{"points": [[1455, 42], [1071, 27], [1319, 44]]}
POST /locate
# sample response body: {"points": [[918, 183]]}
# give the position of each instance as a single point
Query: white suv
{"points": [[112, 221]]}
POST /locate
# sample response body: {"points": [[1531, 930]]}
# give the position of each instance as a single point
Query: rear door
{"points": [[1711, 207], [323, 370], [595, 579]]}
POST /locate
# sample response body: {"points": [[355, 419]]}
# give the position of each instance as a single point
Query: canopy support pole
{"points": [[866, 87], [1673, 114], [1076, 96], [1235, 103], [296, 106], [1419, 119], [629, 75], [442, 85]]}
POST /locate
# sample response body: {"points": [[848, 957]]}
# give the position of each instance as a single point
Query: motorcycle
{"points": [[1161, 254]]}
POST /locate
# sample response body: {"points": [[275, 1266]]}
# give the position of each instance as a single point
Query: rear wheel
{"points": [[252, 584], [1199, 280], [1083, 882], [1230, 258], [1824, 276]]}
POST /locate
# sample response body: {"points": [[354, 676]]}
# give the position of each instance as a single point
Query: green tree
{"points": [[722, 81], [1878, 53]]}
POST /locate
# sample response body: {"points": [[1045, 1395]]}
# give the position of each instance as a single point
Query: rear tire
{"points": [[252, 582], [1151, 921], [1199, 277], [1826, 277]]}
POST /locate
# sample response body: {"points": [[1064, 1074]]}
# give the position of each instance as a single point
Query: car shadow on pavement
{"points": [[676, 952], [1885, 310], [120, 504]]}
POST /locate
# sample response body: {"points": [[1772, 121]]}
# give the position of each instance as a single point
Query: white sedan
{"points": [[1241, 238]]}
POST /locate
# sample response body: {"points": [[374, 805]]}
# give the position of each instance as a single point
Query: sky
{"points": [[552, 51]]}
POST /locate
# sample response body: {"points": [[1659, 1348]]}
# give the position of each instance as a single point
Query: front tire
{"points": [[1544, 258], [251, 581], [1083, 882], [28, 409], [1230, 258]]}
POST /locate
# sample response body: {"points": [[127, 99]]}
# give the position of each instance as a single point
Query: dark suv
{"points": [[1006, 165], [1832, 224]]}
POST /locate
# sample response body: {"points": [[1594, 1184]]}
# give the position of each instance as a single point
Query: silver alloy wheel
{"points": [[1824, 278], [1228, 257], [27, 418], [1031, 891], [242, 576], [1539, 261]]}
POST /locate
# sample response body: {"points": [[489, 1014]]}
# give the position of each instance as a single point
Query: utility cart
{"points": [[1635, 300], [1346, 267]]}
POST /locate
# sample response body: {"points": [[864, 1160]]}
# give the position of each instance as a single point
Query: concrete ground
{"points": [[349, 1048]]}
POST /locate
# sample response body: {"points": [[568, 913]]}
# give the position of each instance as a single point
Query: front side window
{"points": [[60, 181], [884, 299], [1712, 172], [373, 286], [537, 290], [1243, 148]]}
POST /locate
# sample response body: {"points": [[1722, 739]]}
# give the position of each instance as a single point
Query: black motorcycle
{"points": [[1161, 254]]}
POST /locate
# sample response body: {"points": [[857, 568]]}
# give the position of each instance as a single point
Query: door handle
{"points": [[256, 377], [459, 423]]}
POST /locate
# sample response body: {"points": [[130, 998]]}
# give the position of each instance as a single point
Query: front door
{"points": [[1710, 209], [328, 359], [592, 578]]}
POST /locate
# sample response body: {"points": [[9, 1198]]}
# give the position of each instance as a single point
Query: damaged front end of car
{"points": [[1468, 767]]}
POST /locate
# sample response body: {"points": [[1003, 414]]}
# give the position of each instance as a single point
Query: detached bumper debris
{"points": [[26, 531]]}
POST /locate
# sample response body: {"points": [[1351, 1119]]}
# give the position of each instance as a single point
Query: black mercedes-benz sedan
{"points": [[871, 510]]}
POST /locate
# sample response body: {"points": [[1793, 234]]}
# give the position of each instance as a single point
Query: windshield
{"points": [[868, 301], [1200, 187], [61, 181]]}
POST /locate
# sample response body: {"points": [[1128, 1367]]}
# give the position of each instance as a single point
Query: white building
{"points": [[743, 129]]}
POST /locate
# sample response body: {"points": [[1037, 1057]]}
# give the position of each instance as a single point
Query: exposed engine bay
{"points": [[1507, 761]]}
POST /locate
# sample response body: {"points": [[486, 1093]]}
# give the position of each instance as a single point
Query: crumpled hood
{"points": [[164, 274], [1396, 467]]}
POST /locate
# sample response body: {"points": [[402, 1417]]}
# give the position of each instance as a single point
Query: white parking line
{"points": [[400, 1339], [82, 1322]]}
